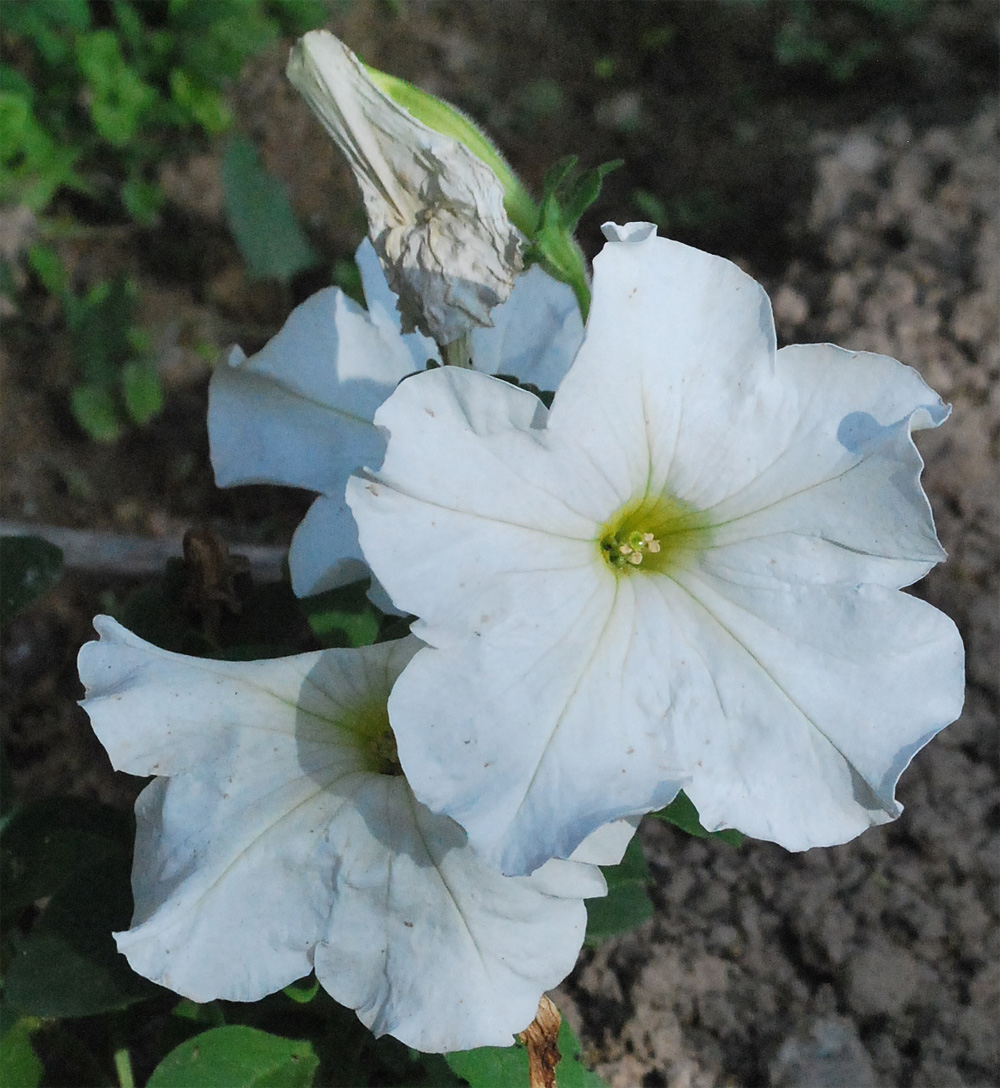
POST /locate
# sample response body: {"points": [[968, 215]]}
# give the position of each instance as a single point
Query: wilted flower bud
{"points": [[435, 210]]}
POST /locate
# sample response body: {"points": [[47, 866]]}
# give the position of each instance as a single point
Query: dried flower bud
{"points": [[435, 210]]}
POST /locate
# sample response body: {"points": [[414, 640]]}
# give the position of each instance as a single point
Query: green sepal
{"points": [[567, 194], [449, 121]]}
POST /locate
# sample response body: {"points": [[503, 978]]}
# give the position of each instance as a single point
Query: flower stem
{"points": [[123, 1067]]}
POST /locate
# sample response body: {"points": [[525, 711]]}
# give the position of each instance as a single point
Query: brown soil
{"points": [[872, 214]]}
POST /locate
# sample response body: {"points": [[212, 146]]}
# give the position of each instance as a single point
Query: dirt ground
{"points": [[871, 212]]}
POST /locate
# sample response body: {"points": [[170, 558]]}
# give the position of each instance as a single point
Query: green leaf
{"points": [[29, 567], [142, 200], [209, 1013], [18, 1062], [100, 324], [571, 1072], [203, 104], [260, 216], [567, 194], [583, 191], [682, 813], [508, 1067], [119, 98], [303, 991], [237, 1057], [142, 391], [49, 844], [343, 616], [627, 903], [68, 965], [48, 266], [77, 853], [96, 410], [492, 1066]]}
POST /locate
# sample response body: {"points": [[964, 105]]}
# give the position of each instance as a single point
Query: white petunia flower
{"points": [[686, 574], [280, 838], [435, 210], [300, 411]]}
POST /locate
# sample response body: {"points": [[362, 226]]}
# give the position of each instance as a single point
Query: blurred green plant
{"points": [[697, 209], [95, 95], [261, 218], [117, 385], [838, 39]]}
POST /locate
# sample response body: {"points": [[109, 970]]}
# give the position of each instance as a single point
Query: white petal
{"points": [[325, 552], [607, 845], [555, 770], [300, 411], [676, 343], [840, 499], [235, 856], [232, 878], [429, 943], [575, 735], [535, 333], [163, 713], [488, 431], [277, 851], [383, 307], [820, 697]]}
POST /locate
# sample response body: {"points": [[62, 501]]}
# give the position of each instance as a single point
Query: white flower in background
{"points": [[435, 210], [687, 573], [300, 411], [279, 837]]}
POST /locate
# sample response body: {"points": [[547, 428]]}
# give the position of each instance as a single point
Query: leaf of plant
{"points": [[48, 267], [343, 616], [68, 965], [303, 991], [261, 218], [100, 323], [142, 391], [237, 1057], [18, 1062], [682, 813], [50, 844], [627, 903], [508, 1066], [29, 567], [571, 1072], [95, 409], [491, 1066]]}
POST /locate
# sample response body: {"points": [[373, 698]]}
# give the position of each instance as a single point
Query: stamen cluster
{"points": [[629, 551]]}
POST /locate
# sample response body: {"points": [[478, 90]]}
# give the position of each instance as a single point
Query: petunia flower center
{"points": [[369, 729], [653, 534]]}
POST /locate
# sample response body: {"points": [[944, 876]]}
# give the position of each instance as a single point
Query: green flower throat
{"points": [[372, 736], [653, 534]]}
